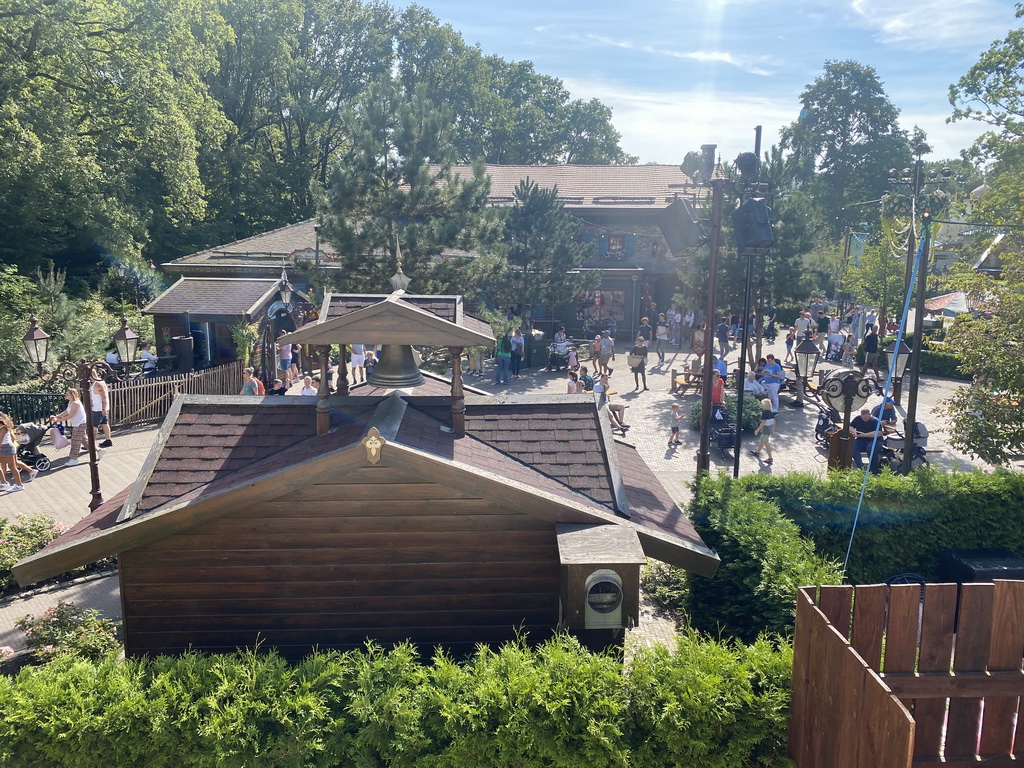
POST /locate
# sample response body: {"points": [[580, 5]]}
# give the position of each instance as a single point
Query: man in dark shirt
{"points": [[822, 325], [863, 428], [278, 388], [870, 351], [645, 330], [722, 334]]}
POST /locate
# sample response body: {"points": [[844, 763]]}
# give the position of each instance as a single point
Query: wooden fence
{"points": [[142, 401], [909, 675]]}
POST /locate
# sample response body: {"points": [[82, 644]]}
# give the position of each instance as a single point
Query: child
{"points": [[674, 419], [849, 351], [765, 430], [790, 340]]}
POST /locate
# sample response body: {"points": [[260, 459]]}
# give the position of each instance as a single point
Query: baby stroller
{"points": [[28, 450], [558, 357], [722, 432], [835, 348], [828, 421], [896, 443]]}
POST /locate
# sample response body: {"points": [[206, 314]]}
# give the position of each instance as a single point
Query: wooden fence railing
{"points": [[901, 676], [142, 401]]}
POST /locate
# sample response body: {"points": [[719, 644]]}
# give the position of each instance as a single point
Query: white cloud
{"points": [[946, 139], [746, 63], [936, 24], [662, 127]]}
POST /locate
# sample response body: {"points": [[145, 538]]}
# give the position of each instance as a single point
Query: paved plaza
{"points": [[63, 492]]}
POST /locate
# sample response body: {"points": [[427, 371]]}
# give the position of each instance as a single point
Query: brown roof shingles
{"points": [[211, 296]]}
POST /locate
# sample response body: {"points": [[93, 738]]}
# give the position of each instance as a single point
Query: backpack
{"points": [[260, 389]]}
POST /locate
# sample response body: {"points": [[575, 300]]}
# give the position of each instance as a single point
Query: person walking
{"points": [[638, 362], [661, 338], [503, 357], [870, 351], [518, 350], [606, 352], [74, 414], [722, 333], [774, 377], [250, 386], [8, 456], [765, 430], [674, 419], [645, 330], [284, 354], [357, 361], [99, 402], [790, 341]]}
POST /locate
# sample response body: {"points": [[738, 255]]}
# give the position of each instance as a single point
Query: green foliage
{"points": [[65, 630], [845, 139], [245, 336], [905, 521], [721, 705], [764, 561], [706, 704], [751, 411], [21, 537]]}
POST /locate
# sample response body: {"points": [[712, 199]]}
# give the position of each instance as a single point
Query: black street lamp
{"points": [[83, 374], [806, 356], [844, 390]]}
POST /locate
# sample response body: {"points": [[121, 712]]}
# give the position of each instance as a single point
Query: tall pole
{"points": [[915, 350], [703, 453], [743, 366], [911, 243]]}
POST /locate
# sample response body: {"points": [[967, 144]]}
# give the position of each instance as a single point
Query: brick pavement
{"points": [[63, 493]]}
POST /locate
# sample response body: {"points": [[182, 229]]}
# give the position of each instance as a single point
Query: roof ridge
{"points": [[224, 246]]}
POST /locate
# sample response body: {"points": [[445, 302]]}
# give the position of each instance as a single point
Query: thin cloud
{"points": [[936, 24], [748, 65]]}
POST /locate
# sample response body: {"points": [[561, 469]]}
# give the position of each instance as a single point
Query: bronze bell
{"points": [[396, 368]]}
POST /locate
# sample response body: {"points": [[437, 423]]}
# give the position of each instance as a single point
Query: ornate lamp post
{"points": [[83, 374], [844, 390], [900, 354], [807, 357]]}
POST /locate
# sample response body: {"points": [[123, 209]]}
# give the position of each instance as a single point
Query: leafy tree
{"points": [[394, 188], [101, 116], [544, 255], [844, 141], [18, 298], [987, 419]]}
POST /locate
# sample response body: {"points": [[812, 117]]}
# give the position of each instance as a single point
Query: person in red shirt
{"points": [[717, 389]]}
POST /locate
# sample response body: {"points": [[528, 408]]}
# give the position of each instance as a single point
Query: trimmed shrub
{"points": [[20, 538], [751, 411], [905, 522], [707, 704], [67, 630], [764, 561]]}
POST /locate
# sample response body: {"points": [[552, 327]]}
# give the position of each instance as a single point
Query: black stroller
{"points": [[28, 448], [829, 420], [722, 432]]}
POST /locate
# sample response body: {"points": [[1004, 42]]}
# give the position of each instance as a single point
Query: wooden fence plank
{"points": [[801, 664], [835, 602], [1006, 649], [902, 628], [888, 728], [869, 623], [974, 634], [851, 710], [832, 720], [144, 400], [938, 620], [814, 719]]}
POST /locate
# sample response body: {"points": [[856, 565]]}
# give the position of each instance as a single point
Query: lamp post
{"points": [[900, 355], [844, 390], [82, 373], [915, 353], [806, 356]]}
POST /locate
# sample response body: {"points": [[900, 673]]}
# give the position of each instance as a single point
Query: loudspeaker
{"points": [[752, 225], [682, 230]]}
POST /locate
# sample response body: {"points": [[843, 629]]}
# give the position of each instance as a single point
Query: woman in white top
{"points": [[74, 414], [99, 402], [571, 387], [8, 456]]}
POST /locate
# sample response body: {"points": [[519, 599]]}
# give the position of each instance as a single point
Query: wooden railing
{"points": [[143, 401], [909, 675]]}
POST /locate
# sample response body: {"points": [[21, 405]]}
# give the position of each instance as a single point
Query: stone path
{"points": [[63, 492]]}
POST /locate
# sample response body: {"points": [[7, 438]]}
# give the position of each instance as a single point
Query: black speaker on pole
{"points": [[679, 224], [752, 223]]}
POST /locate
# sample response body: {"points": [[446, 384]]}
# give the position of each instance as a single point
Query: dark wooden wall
{"points": [[376, 555]]}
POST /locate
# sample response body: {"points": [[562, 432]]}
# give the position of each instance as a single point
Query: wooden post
{"points": [[342, 387], [458, 397], [323, 408]]}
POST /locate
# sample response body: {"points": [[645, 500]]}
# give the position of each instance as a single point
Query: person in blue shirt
{"points": [[885, 411], [773, 378], [720, 366]]}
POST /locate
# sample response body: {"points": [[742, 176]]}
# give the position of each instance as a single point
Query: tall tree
{"points": [[394, 189], [544, 255], [845, 139], [102, 112]]}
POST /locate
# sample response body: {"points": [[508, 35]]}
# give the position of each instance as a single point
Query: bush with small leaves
{"points": [[67, 630]]}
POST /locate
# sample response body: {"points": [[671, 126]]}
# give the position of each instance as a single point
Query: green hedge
{"points": [[905, 521], [764, 561], [708, 704], [751, 411]]}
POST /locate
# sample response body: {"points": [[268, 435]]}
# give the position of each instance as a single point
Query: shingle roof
{"points": [[590, 186], [213, 296], [269, 247], [340, 304]]}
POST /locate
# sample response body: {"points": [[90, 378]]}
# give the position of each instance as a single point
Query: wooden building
{"points": [[451, 520]]}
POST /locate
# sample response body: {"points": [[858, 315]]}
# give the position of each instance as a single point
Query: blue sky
{"points": [[681, 73]]}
